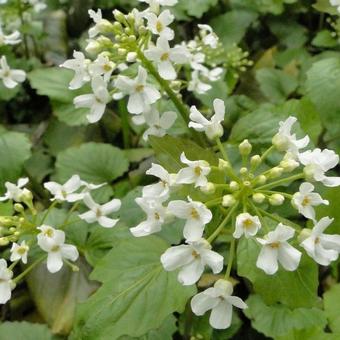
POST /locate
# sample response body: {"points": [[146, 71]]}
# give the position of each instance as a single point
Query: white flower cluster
{"points": [[141, 39], [240, 200], [51, 240]]}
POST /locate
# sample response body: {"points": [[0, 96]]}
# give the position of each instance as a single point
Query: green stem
{"points": [[222, 150], [48, 211], [281, 181], [22, 20], [271, 192], [29, 268], [213, 202], [182, 109], [279, 219], [222, 225], [267, 153], [74, 207], [231, 258]]}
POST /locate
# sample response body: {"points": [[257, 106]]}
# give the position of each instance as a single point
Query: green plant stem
{"points": [[231, 258], [280, 219], [223, 223], [267, 153], [182, 108], [213, 202], [48, 211], [271, 192], [74, 207], [29, 268], [21, 16], [281, 181]]}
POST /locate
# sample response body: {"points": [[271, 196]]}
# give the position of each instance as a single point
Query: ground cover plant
{"points": [[169, 169]]}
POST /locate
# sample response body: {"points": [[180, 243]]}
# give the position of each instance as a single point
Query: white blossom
{"points": [[9, 39], [284, 140], [19, 252], [155, 4], [159, 24], [323, 248], [209, 38], [220, 301], [67, 191], [80, 67], [52, 241], [197, 85], [98, 213], [196, 172], [95, 101], [213, 127], [6, 284], [156, 215], [102, 66], [100, 23], [191, 259], [276, 249], [196, 214], [246, 225], [141, 95], [15, 192], [159, 190], [306, 199], [317, 163], [335, 3], [10, 77], [165, 57]]}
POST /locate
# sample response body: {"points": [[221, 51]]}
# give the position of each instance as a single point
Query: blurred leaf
{"points": [[136, 291], [25, 331], [324, 38], [39, 165], [294, 289], [277, 320], [332, 307], [185, 7]]}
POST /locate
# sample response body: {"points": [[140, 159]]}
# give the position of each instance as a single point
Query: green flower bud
{"points": [[209, 188], [255, 160], [275, 172], [228, 200], [245, 148], [18, 207], [222, 164], [276, 199], [234, 186], [258, 198]]}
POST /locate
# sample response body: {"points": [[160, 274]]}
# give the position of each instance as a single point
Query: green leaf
{"points": [[322, 87], [232, 26], [275, 84], [185, 7], [277, 320], [15, 149], [294, 289], [324, 38], [93, 162], [136, 291], [7, 94], [325, 6], [331, 300], [24, 331]]}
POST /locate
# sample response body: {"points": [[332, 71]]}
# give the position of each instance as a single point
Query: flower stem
{"points": [[74, 207], [231, 258], [223, 223], [48, 211], [280, 219], [281, 181], [271, 192], [29, 268]]}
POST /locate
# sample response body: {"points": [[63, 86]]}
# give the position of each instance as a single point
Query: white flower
{"points": [[6, 284], [10, 77], [165, 57], [102, 66], [159, 24], [100, 23], [208, 36], [156, 214], [67, 191], [213, 127], [19, 252], [98, 213], [196, 172], [246, 225], [317, 163], [196, 214], [220, 301], [335, 3], [191, 259], [96, 101], [158, 124], [141, 94], [306, 199], [276, 249], [38, 5], [284, 140], [323, 248], [53, 242], [161, 189], [10, 39], [80, 67], [88, 187], [155, 4], [197, 85], [15, 192]]}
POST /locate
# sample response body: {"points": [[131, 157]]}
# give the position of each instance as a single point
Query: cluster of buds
{"points": [[240, 202], [142, 42], [27, 228]]}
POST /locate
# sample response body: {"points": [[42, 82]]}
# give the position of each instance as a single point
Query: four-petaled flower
{"points": [[246, 225], [6, 284], [15, 192], [10, 77], [191, 258], [19, 252], [67, 191], [159, 24], [209, 37]]}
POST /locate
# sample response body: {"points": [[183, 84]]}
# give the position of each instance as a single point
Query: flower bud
{"points": [[255, 160], [117, 27], [18, 207], [276, 199], [243, 171], [105, 26], [222, 164], [280, 142], [289, 165], [259, 198], [131, 57], [275, 172], [228, 200], [224, 286], [93, 47], [119, 16], [234, 186], [262, 179], [209, 188], [12, 230], [245, 148], [305, 233], [122, 51], [309, 173], [3, 241]]}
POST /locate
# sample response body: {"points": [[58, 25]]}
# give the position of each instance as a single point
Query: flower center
{"points": [[275, 245], [317, 240], [305, 201], [159, 27], [247, 223], [194, 214], [157, 216], [64, 193], [165, 56], [21, 250], [55, 248], [140, 88], [198, 171], [195, 254], [98, 213], [49, 233], [107, 68]]}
